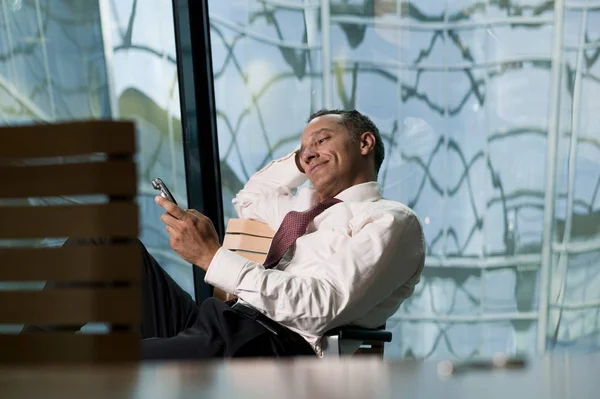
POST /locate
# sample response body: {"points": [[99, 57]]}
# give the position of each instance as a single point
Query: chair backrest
{"points": [[373, 348], [73, 159]]}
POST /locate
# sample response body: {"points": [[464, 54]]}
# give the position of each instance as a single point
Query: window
{"points": [[71, 59], [472, 107]]}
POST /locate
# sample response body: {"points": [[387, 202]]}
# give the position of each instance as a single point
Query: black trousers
{"points": [[174, 326]]}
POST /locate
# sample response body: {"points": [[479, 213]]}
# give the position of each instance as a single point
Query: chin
{"points": [[323, 187]]}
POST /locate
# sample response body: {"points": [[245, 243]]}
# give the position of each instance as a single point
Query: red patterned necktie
{"points": [[292, 227]]}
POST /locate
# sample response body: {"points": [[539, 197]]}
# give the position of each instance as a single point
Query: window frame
{"points": [[198, 118]]}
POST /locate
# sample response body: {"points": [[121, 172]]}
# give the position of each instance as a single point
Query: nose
{"points": [[308, 155]]}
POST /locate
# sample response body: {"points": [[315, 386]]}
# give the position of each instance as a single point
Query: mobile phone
{"points": [[159, 185]]}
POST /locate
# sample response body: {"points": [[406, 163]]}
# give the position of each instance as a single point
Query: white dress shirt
{"points": [[356, 263]]}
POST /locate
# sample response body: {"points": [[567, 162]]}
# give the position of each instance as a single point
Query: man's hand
{"points": [[193, 236]]}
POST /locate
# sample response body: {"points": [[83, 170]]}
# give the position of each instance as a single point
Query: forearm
{"points": [[269, 193], [300, 302]]}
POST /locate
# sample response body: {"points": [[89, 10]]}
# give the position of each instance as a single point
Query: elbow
{"points": [[322, 306], [238, 206], [243, 203]]}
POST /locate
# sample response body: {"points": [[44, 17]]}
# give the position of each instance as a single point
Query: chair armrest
{"points": [[361, 334]]}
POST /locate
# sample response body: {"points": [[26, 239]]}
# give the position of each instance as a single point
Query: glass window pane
{"points": [[66, 60], [462, 93]]}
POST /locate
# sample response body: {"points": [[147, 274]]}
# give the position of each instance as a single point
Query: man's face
{"points": [[328, 155]]}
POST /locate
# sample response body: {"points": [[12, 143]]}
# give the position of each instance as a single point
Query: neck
{"points": [[364, 178], [358, 179]]}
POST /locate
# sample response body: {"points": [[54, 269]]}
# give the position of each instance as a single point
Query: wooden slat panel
{"points": [[252, 227], [114, 219], [254, 257], [246, 243], [222, 295], [76, 138], [71, 306], [85, 263], [76, 348], [110, 178]]}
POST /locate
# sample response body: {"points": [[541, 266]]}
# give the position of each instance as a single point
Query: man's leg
{"points": [[218, 332], [200, 341], [167, 308]]}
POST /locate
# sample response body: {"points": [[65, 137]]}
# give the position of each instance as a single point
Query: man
{"points": [[359, 258], [341, 255]]}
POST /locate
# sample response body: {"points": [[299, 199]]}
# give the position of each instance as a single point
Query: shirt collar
{"points": [[364, 192]]}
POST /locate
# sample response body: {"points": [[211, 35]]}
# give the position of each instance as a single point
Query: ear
{"points": [[367, 143]]}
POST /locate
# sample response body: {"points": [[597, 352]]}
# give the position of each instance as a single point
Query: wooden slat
{"points": [[253, 256], [114, 219], [71, 306], [84, 263], [75, 348], [220, 294], [246, 235], [252, 227], [111, 178], [246, 243], [66, 139]]}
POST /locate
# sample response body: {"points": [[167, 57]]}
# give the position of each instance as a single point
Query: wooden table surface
{"points": [[557, 376]]}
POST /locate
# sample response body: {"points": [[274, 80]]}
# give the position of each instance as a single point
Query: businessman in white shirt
{"points": [[345, 256], [357, 260]]}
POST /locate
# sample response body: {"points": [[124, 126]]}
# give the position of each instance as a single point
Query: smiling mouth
{"points": [[314, 168]]}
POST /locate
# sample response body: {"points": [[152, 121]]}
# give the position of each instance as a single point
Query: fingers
{"points": [[170, 207], [169, 220], [196, 213], [199, 215]]}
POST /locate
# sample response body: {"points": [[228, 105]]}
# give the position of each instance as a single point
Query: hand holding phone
{"points": [[159, 185], [192, 235]]}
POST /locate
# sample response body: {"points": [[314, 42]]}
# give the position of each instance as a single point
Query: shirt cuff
{"points": [[224, 270], [284, 171]]}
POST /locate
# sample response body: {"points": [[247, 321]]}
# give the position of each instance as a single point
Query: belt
{"points": [[253, 314]]}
